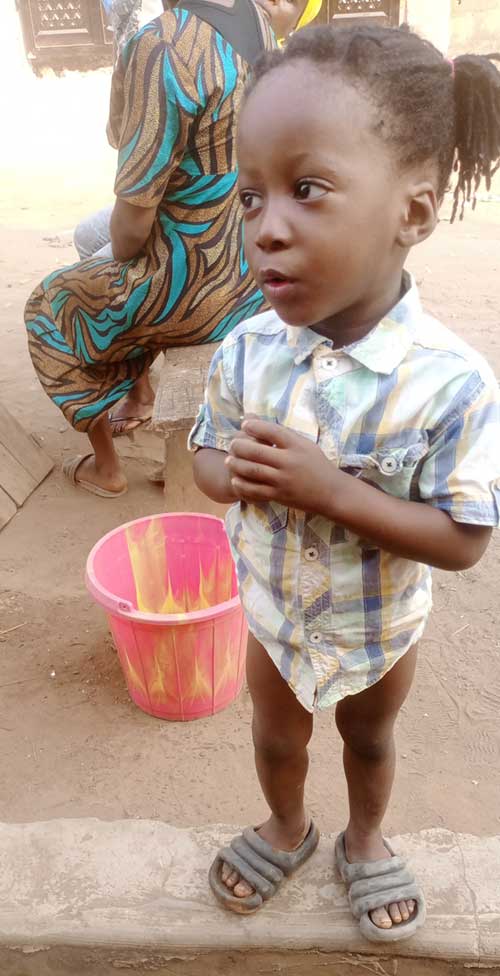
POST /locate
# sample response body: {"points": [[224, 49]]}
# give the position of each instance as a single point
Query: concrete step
{"points": [[93, 898]]}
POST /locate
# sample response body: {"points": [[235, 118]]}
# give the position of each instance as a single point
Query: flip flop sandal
{"points": [[157, 476], [261, 865], [133, 424], [374, 884], [71, 467]]}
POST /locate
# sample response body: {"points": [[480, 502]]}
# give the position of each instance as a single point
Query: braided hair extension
{"points": [[477, 125], [429, 108]]}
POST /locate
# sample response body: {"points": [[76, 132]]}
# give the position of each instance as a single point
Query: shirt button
{"points": [[311, 554], [389, 465], [331, 363], [316, 637]]}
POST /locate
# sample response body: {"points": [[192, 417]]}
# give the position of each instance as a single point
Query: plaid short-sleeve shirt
{"points": [[412, 410]]}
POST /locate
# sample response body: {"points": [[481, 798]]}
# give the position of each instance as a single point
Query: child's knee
{"points": [[368, 741], [278, 745]]}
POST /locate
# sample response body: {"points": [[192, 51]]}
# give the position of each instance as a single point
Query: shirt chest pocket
{"points": [[394, 470], [270, 518]]}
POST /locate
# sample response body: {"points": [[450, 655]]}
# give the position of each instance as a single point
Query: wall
{"points": [[56, 146], [430, 18], [475, 26]]}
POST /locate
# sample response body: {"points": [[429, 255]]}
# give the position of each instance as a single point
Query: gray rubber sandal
{"points": [[373, 884], [261, 865]]}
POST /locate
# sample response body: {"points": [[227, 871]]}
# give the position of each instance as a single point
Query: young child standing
{"points": [[358, 437]]}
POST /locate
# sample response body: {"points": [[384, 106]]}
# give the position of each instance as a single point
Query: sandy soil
{"points": [[71, 742]]}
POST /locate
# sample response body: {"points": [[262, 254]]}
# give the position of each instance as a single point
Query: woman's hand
{"points": [[267, 462]]}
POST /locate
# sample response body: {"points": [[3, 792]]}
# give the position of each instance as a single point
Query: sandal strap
{"points": [[368, 886], [286, 861], [264, 867], [264, 887]]}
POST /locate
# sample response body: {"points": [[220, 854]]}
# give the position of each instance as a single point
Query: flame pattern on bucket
{"points": [[169, 587]]}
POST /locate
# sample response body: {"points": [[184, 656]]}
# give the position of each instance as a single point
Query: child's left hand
{"points": [[274, 463]]}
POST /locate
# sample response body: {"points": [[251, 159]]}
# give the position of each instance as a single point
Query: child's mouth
{"points": [[275, 283]]}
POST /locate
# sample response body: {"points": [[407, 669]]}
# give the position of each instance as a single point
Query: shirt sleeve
{"points": [[154, 100], [220, 416], [461, 472]]}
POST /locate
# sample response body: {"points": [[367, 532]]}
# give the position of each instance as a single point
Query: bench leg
{"points": [[180, 491]]}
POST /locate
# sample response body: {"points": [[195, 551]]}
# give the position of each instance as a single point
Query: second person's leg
{"points": [[93, 233]]}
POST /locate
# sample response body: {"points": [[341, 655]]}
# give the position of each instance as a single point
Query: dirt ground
{"points": [[71, 741]]}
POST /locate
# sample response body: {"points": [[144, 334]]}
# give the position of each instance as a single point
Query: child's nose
{"points": [[274, 231]]}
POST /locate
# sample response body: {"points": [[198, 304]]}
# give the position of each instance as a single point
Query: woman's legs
{"points": [[92, 238], [366, 723], [281, 731], [104, 468], [137, 405]]}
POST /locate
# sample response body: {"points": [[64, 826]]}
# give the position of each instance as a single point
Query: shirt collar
{"points": [[383, 349]]}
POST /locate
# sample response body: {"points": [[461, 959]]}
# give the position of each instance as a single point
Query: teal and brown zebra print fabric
{"points": [[94, 326]]}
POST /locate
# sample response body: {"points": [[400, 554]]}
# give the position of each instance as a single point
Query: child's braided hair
{"points": [[429, 107]]}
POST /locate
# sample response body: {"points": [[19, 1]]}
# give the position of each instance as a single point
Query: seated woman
{"points": [[178, 276], [93, 234]]}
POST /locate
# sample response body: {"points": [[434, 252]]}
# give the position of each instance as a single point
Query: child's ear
{"points": [[420, 215]]}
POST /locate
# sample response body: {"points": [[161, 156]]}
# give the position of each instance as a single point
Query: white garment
{"points": [[150, 9], [129, 16]]}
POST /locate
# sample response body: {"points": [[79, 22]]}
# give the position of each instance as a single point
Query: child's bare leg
{"points": [[366, 723], [281, 731]]}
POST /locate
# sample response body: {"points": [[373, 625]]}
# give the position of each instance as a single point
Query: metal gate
{"points": [[349, 12], [65, 33]]}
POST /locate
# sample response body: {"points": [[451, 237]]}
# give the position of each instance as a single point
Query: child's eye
{"points": [[250, 200], [306, 190]]}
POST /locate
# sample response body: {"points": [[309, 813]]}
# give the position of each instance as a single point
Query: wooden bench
{"points": [[180, 392], [23, 465]]}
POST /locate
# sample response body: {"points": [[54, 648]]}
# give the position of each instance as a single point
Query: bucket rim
{"points": [[123, 608]]}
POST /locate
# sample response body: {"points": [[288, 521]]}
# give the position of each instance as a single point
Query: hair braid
{"points": [[477, 125]]}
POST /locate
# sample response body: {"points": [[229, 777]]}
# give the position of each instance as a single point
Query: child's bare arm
{"points": [[283, 466], [410, 529], [212, 475]]}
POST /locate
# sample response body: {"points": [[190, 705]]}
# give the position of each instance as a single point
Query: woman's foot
{"points": [[373, 849], [280, 837], [135, 409], [83, 472]]}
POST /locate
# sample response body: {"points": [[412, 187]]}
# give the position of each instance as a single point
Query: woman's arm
{"points": [[130, 228]]}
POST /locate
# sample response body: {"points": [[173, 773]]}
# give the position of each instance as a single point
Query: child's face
{"points": [[323, 202]]}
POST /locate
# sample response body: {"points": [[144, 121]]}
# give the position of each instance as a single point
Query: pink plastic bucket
{"points": [[168, 585]]}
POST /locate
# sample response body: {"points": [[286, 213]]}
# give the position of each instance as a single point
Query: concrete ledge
{"points": [[132, 895]]}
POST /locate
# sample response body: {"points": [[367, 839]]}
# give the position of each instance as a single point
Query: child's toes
{"points": [[381, 918], [232, 879], [395, 913], [404, 910], [242, 889]]}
